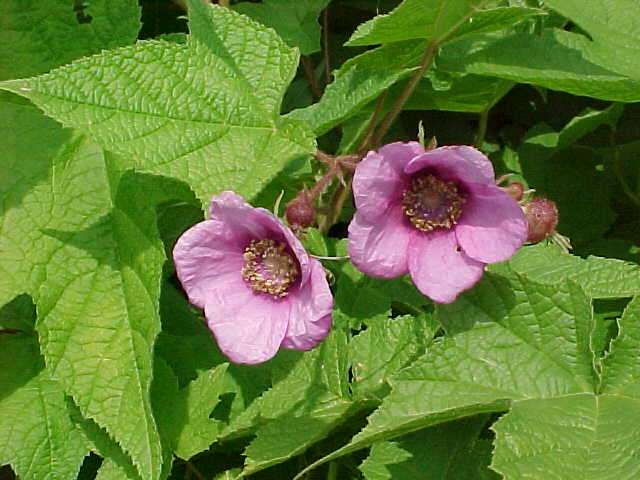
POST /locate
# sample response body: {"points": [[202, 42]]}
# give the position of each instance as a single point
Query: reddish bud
{"points": [[300, 212], [542, 215], [515, 190]]}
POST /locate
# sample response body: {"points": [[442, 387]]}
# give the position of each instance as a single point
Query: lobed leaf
{"points": [[205, 112]]}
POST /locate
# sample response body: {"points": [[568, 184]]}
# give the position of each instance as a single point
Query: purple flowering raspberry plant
{"points": [[435, 214], [224, 256]]}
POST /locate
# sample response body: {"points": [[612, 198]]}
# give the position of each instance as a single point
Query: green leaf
{"points": [[360, 298], [205, 112], [110, 470], [73, 250], [466, 93], [600, 277], [360, 79], [436, 20], [621, 372], [296, 22], [303, 383], [19, 314], [188, 347], [469, 93], [197, 400], [613, 27], [452, 450], [387, 345], [99, 306], [530, 341], [580, 435], [555, 59], [33, 150], [286, 437], [37, 437], [81, 240], [383, 454], [38, 36], [587, 122], [117, 464]]}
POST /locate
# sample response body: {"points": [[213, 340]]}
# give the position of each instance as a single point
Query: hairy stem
{"points": [[406, 93]]}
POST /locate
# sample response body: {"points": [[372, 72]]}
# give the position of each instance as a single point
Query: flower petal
{"points": [[492, 226], [439, 268], [245, 223], [310, 314], [379, 247], [459, 163], [226, 199], [379, 179], [248, 326], [207, 256]]}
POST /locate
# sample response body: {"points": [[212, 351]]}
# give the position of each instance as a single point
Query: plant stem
{"points": [[390, 117], [371, 127], [224, 3], [482, 128], [325, 45], [310, 75]]}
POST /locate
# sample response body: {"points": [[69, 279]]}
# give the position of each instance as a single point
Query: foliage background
{"points": [[117, 127]]}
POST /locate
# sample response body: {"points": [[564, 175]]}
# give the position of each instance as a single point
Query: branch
{"points": [[390, 117], [368, 138]]}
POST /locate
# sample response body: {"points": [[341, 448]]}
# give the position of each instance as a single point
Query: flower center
{"points": [[269, 268], [432, 203]]}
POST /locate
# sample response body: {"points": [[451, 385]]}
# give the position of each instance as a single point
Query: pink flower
{"points": [[258, 287], [435, 214]]}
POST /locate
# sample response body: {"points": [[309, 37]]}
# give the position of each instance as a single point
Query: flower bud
{"points": [[542, 215], [515, 190], [300, 212]]}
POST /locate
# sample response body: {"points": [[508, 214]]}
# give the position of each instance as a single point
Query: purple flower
{"points": [[435, 214], [258, 287]]}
